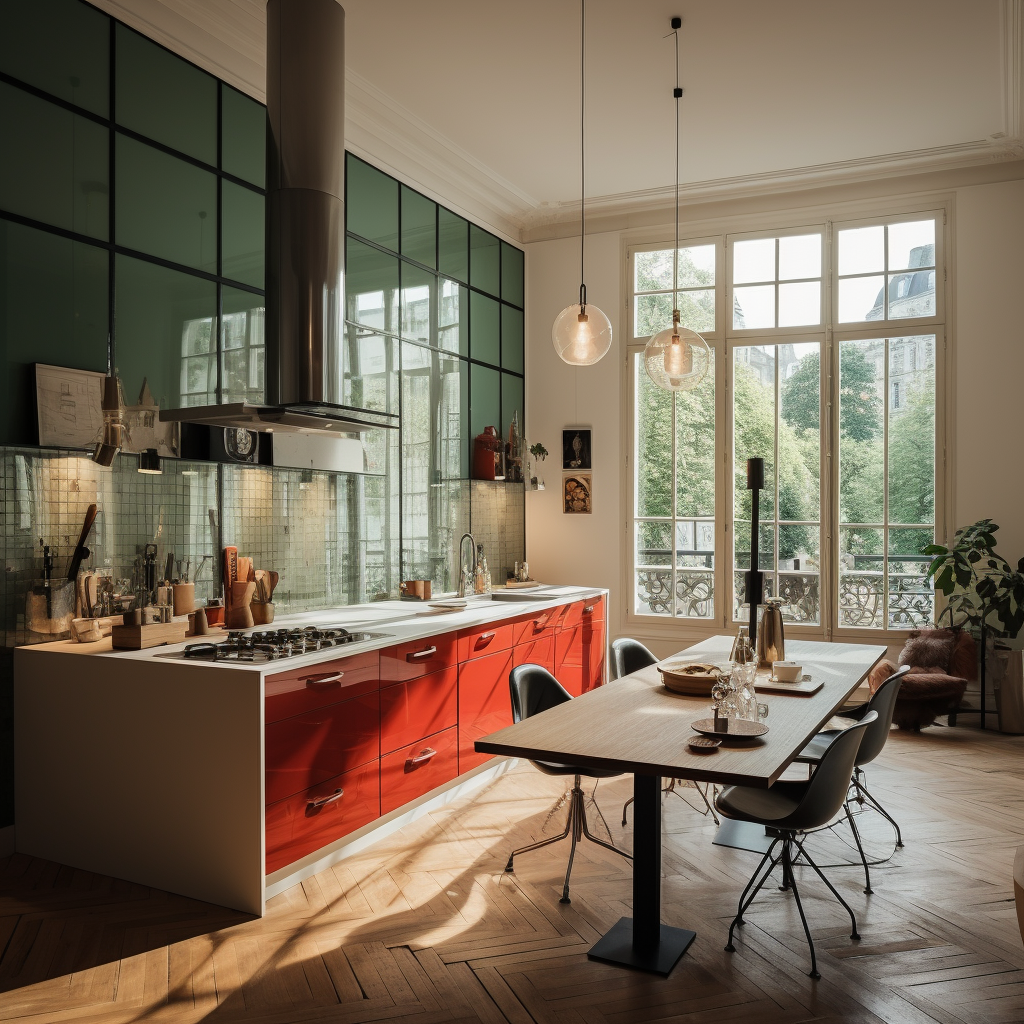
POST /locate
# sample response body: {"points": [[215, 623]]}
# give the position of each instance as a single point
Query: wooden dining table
{"points": [[636, 725]]}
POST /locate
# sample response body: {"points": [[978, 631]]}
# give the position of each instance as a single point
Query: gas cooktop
{"points": [[273, 644]]}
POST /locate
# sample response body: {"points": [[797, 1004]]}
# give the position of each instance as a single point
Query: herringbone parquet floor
{"points": [[427, 927]]}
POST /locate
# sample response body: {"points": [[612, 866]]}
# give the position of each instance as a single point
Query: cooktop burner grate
{"points": [[274, 644]]}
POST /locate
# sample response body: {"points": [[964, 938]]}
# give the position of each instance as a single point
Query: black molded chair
{"points": [[883, 703], [788, 809], [629, 656], [533, 691]]}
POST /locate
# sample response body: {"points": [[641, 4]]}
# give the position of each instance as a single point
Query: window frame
{"points": [[725, 339]]}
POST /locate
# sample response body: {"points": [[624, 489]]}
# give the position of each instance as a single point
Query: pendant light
{"points": [[677, 359], [581, 333]]}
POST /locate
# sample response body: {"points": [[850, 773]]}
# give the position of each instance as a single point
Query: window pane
{"points": [[912, 245], [653, 543], [654, 592], [860, 298], [861, 578], [371, 286], [419, 227], [418, 299], [371, 207], [695, 447], [484, 399], [453, 318], [765, 546], [799, 433], [753, 307], [61, 47], [862, 250], [911, 295], [651, 313], [243, 136], [512, 274], [165, 206], [163, 319], [55, 167], [511, 402], [800, 304], [244, 236], [512, 338], [652, 271], [484, 329], [912, 431], [754, 424], [653, 433], [695, 592], [911, 595], [861, 427], [799, 256], [243, 323], [452, 245], [696, 266], [484, 260], [753, 260], [165, 98], [370, 364], [697, 310], [53, 309]]}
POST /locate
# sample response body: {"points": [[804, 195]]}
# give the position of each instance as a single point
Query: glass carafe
{"points": [[743, 670]]}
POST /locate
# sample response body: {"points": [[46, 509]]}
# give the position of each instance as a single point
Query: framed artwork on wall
{"points": [[577, 494], [576, 448]]}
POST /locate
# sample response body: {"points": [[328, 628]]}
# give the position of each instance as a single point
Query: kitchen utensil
{"points": [[202, 566], [689, 678], [416, 590], [238, 614], [183, 598], [50, 607], [169, 567], [771, 641], [150, 570], [200, 625], [262, 613], [703, 744], [81, 552], [230, 571], [274, 578], [736, 728]]}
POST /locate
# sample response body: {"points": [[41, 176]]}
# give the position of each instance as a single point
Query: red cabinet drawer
{"points": [[593, 654], [572, 615], [484, 703], [417, 769], [305, 750], [417, 658], [593, 609], [569, 659], [303, 689], [418, 707], [534, 627], [537, 652], [319, 815], [475, 643]]}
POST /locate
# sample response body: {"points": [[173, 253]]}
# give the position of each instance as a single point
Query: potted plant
{"points": [[540, 453]]}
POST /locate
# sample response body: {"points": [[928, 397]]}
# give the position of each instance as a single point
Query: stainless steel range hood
{"points": [[305, 253]]}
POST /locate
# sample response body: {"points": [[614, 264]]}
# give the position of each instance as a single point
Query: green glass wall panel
{"points": [[242, 245], [59, 173], [512, 274], [371, 287], [370, 363], [243, 142], [165, 207], [484, 329], [419, 302], [511, 402], [452, 245], [53, 309], [484, 260], [371, 206], [243, 319], [484, 399], [511, 338], [467, 434], [164, 333], [453, 317], [419, 227], [163, 97], [59, 46]]}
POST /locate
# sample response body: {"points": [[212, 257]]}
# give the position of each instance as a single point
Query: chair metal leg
{"points": [[544, 842], [787, 866], [670, 788], [576, 808], [744, 901], [872, 800], [854, 934], [600, 842], [860, 849]]}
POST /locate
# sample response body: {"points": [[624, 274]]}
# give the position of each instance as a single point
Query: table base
{"points": [[742, 835], [616, 947]]}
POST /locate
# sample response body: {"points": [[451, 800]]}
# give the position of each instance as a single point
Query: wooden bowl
{"points": [[693, 679]]}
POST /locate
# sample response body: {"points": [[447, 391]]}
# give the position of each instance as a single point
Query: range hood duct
{"points": [[305, 240]]}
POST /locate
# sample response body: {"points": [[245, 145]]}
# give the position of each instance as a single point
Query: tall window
{"points": [[827, 342]]}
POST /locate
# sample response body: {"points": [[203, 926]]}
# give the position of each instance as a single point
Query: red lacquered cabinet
{"points": [[537, 652], [484, 703], [308, 749], [593, 653], [418, 707], [417, 658], [309, 820], [534, 627], [418, 768], [303, 689], [569, 659], [475, 643]]}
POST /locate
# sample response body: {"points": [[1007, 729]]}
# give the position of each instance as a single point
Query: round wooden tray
{"points": [[704, 744], [739, 729], [692, 679]]}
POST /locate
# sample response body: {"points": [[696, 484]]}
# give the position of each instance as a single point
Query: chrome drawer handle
{"points": [[421, 654], [325, 679], [412, 763], [484, 638], [323, 801], [539, 624]]}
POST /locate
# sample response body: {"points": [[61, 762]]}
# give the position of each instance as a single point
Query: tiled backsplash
{"points": [[334, 538]]}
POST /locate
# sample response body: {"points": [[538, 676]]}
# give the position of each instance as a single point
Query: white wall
{"points": [[988, 264]]}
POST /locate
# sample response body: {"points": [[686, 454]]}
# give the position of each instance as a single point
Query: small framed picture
{"points": [[577, 494], [576, 448]]}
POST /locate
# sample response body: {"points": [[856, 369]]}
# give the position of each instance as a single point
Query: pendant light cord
{"points": [[677, 93], [583, 151]]}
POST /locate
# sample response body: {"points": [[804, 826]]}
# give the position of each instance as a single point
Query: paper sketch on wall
{"points": [[70, 414], [577, 496], [576, 448]]}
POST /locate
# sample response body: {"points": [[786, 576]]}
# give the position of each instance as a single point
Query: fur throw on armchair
{"points": [[942, 661]]}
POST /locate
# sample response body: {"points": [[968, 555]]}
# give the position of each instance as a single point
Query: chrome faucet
{"points": [[466, 575]]}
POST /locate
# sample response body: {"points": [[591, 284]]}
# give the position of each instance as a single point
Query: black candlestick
{"points": [[754, 578]]}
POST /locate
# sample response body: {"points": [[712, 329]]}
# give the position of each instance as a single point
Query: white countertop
{"points": [[401, 621]]}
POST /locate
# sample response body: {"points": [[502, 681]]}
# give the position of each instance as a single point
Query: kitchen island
{"points": [[229, 781]]}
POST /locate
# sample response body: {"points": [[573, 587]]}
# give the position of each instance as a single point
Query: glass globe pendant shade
{"points": [[677, 359], [581, 334]]}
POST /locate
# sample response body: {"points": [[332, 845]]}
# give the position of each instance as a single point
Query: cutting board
{"points": [[154, 634], [798, 689]]}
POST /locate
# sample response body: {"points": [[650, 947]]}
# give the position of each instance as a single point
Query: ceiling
{"points": [[481, 99]]}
